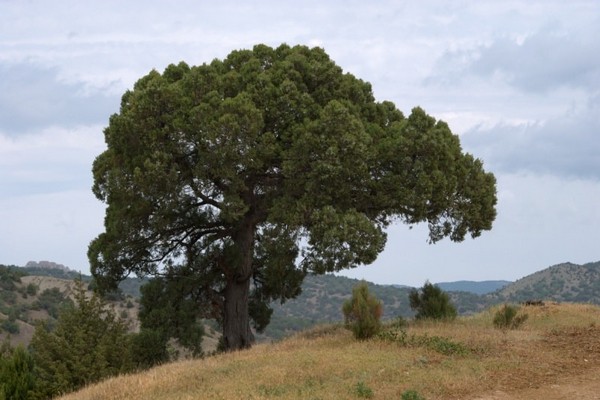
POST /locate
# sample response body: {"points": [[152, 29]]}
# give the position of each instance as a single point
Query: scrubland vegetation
{"points": [[460, 359]]}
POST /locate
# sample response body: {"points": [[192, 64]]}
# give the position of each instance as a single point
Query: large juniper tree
{"points": [[245, 174]]}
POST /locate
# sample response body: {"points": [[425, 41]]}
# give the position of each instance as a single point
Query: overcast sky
{"points": [[519, 81]]}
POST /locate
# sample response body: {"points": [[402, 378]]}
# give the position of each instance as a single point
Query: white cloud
{"points": [[52, 160], [33, 97], [543, 61], [554, 56], [567, 145], [518, 80]]}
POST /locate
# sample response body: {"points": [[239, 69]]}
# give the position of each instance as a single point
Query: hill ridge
{"points": [[322, 296]]}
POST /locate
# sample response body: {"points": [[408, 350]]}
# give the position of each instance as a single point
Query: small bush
{"points": [[411, 395], [441, 345], [363, 391], [10, 326], [399, 323], [32, 289], [507, 317], [431, 302], [394, 335], [362, 313]]}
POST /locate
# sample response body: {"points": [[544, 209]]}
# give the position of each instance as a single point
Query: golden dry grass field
{"points": [[554, 355]]}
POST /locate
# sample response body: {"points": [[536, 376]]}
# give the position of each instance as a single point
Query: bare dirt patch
{"points": [[581, 387], [563, 364]]}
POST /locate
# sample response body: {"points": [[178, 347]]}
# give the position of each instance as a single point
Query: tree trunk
{"points": [[236, 319]]}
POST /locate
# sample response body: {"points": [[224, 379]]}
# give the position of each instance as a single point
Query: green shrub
{"points": [[362, 313], [32, 289], [167, 307], [431, 302], [8, 297], [394, 335], [440, 344], [411, 395], [398, 323], [149, 348], [10, 327], [507, 317], [88, 343], [363, 391], [17, 377]]}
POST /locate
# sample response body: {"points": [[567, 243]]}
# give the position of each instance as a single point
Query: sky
{"points": [[518, 81]]}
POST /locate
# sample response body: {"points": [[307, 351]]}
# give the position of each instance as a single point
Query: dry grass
{"points": [[327, 363]]}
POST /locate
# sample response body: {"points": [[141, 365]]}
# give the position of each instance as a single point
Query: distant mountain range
{"points": [[322, 296], [483, 287]]}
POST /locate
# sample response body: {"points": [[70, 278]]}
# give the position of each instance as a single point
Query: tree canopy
{"points": [[247, 173]]}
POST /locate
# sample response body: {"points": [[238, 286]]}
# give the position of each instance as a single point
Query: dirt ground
{"points": [[582, 387], [574, 374]]}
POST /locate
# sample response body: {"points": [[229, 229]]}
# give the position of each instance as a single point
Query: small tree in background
{"points": [[362, 313], [431, 302]]}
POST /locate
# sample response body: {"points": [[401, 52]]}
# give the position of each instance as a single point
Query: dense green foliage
{"points": [[362, 312], [149, 348], [252, 171], [87, 344], [17, 378], [431, 302], [168, 310]]}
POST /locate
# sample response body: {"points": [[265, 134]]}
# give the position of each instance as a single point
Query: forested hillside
{"points": [[566, 282], [322, 298], [25, 299], [32, 294]]}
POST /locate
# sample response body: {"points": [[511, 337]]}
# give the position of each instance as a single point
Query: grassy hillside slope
{"points": [[464, 359]]}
